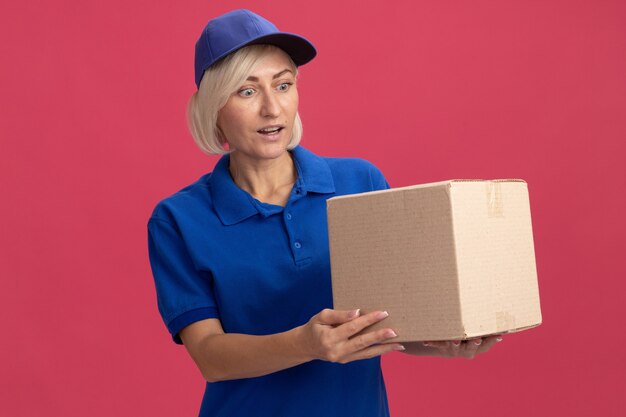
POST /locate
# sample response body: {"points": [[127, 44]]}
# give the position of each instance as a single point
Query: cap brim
{"points": [[298, 48]]}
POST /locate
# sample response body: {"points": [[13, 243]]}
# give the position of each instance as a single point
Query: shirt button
{"points": [[297, 245], [288, 216]]}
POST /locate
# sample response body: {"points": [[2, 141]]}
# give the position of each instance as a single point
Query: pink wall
{"points": [[93, 134]]}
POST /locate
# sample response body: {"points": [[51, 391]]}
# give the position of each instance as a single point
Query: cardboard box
{"points": [[449, 260]]}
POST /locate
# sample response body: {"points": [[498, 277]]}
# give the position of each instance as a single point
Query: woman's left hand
{"points": [[453, 349]]}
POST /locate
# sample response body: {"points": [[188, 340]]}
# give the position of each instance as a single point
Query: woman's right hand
{"points": [[331, 335]]}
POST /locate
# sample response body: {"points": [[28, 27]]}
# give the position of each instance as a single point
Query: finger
{"points": [[373, 351], [488, 343], [455, 347], [353, 327], [444, 345], [443, 348], [366, 340], [334, 317], [471, 347]]}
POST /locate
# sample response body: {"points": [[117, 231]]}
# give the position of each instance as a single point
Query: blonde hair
{"points": [[217, 85]]}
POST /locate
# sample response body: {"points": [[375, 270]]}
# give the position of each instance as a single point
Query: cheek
{"points": [[292, 105], [224, 125], [224, 116], [295, 104], [228, 119]]}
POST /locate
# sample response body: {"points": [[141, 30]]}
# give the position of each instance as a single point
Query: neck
{"points": [[269, 181]]}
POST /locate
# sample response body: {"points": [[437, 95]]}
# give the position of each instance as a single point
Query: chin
{"points": [[266, 151], [275, 151]]}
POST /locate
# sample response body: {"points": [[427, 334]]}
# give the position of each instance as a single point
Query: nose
{"points": [[270, 107]]}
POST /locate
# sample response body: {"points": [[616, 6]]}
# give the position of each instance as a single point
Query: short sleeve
{"points": [[184, 294], [378, 179]]}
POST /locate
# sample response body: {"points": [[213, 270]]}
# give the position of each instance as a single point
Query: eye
{"points": [[284, 86], [246, 92]]}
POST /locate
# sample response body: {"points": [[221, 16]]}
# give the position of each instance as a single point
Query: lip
{"points": [[270, 127]]}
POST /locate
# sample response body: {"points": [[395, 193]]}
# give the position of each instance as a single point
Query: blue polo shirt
{"points": [[217, 252]]}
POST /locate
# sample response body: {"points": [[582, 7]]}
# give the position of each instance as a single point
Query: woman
{"points": [[240, 257]]}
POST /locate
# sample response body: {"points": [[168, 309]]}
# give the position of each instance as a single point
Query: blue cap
{"points": [[233, 30]]}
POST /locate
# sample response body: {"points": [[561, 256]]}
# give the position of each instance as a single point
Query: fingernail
{"points": [[426, 344], [456, 342], [355, 313], [390, 333], [382, 314], [499, 339], [478, 342], [399, 347]]}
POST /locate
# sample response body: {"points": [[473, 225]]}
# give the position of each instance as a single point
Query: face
{"points": [[257, 121]]}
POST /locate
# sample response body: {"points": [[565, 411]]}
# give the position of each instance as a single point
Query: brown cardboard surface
{"points": [[447, 260]]}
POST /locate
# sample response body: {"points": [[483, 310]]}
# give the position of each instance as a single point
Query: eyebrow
{"points": [[253, 78]]}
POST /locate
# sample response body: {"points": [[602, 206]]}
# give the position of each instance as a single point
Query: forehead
{"points": [[272, 62]]}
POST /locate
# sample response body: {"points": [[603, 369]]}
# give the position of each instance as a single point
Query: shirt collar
{"points": [[314, 174], [234, 205]]}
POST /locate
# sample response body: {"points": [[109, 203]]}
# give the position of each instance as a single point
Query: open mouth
{"points": [[270, 130]]}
